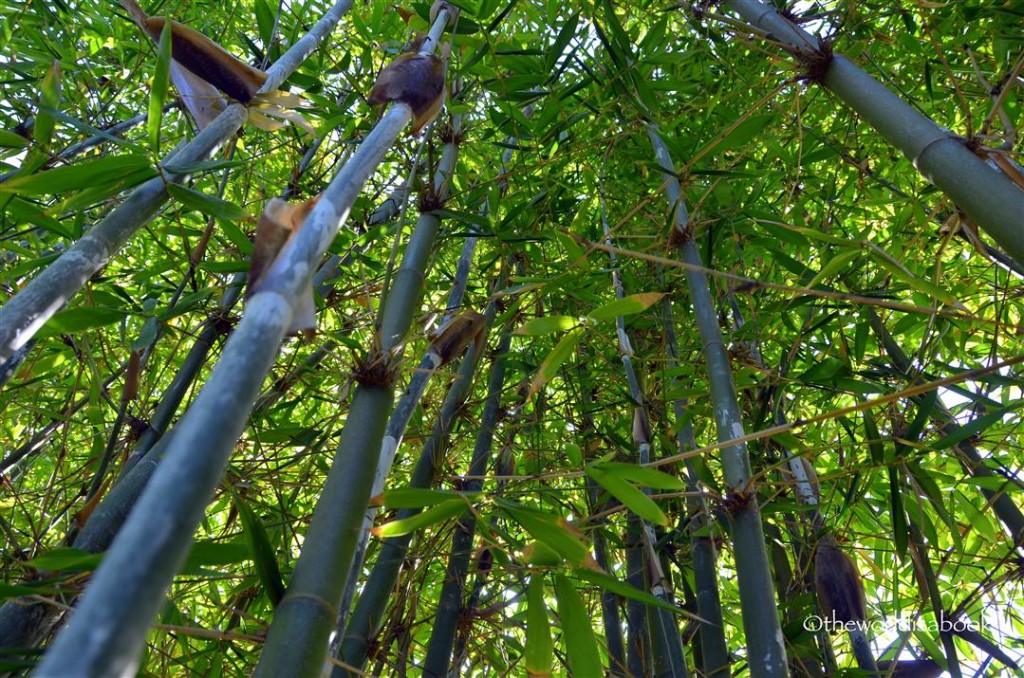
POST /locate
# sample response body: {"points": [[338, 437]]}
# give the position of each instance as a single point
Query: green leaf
{"points": [[918, 283], [874, 440], [207, 204], [83, 174], [631, 496], [625, 590], [644, 476], [49, 100], [549, 528], [65, 560], [740, 135], [574, 454], [634, 303], [833, 266], [264, 22], [973, 429], [565, 35], [11, 140], [978, 520], [539, 554], [75, 320], [158, 90], [536, 327], [436, 514], [539, 653], [207, 553], [900, 529], [577, 631], [148, 334], [263, 555], [412, 497], [554, 360]]}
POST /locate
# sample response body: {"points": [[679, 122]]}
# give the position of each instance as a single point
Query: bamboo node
{"points": [[680, 235], [738, 499], [375, 369], [814, 61]]}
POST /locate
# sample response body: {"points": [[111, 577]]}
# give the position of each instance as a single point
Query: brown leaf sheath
{"points": [[839, 587], [209, 61], [416, 80]]}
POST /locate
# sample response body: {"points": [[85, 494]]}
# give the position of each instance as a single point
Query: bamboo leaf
{"points": [[91, 173], [629, 305], [210, 553], [975, 428], [833, 266], [264, 21], [550, 529], [65, 560], [631, 496], [740, 135], [978, 520], [412, 497], [900, 529], [625, 590], [158, 90], [539, 554], [536, 327], [874, 440], [49, 100], [74, 320], [644, 476], [207, 204], [918, 283], [11, 140], [577, 633], [554, 360], [263, 554], [436, 514], [539, 653]]}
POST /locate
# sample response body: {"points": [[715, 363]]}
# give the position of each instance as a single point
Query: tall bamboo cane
{"points": [[766, 653], [297, 642]]}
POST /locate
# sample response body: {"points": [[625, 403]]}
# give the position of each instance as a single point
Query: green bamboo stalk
{"points": [[987, 195], [369, 610], [24, 622], [297, 642], [765, 651], [128, 586], [609, 601], [927, 573], [638, 645], [804, 487], [714, 651], [450, 599], [666, 655]]}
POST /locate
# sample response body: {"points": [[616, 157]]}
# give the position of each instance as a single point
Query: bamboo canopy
{"points": [[484, 338]]}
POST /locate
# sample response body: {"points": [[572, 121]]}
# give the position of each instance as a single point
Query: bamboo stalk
{"points": [[658, 625], [765, 651], [297, 642], [714, 651], [450, 600], [368, 613]]}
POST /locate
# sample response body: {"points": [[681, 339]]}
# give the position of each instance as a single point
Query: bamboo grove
{"points": [[684, 340]]}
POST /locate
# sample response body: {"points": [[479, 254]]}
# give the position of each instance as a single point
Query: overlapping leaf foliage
{"points": [[812, 226]]}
